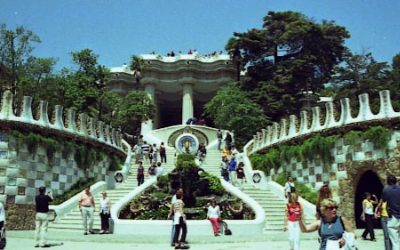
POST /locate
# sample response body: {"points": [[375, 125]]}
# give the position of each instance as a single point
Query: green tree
{"points": [[136, 65], [132, 110], [288, 58], [360, 73], [15, 49], [233, 110], [85, 86]]}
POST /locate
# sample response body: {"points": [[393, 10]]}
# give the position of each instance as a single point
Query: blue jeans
{"points": [[388, 244], [394, 232]]}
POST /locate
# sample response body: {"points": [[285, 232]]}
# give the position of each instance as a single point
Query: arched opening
{"points": [[369, 182]]}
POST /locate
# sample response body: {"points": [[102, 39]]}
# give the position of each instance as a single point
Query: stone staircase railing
{"points": [[84, 127], [278, 133]]}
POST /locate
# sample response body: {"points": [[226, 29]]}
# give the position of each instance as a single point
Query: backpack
{"points": [[227, 231]]}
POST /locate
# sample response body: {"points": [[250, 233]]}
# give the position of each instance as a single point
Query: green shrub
{"points": [[214, 183], [353, 137], [378, 135]]}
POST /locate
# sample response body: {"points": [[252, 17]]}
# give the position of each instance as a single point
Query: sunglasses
{"points": [[332, 207]]}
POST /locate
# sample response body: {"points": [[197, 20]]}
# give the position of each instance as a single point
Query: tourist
{"points": [[331, 227], [155, 153], [214, 216], [234, 151], [368, 215], [324, 193], [138, 153], [171, 213], [42, 216], [180, 223], [219, 137], [382, 213], [140, 174], [163, 153], [104, 212], [228, 140], [225, 168], [391, 194], [289, 187], [225, 152], [241, 178], [293, 214], [152, 169], [159, 169], [151, 153], [146, 152], [87, 206], [2, 226], [232, 170]]}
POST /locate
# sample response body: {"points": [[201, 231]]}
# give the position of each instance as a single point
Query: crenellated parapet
{"points": [[85, 128], [278, 132]]}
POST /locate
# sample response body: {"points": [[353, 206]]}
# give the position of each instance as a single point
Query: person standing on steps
{"points": [[87, 206], [293, 213], [163, 153], [140, 173], [241, 178], [368, 215], [104, 212], [289, 187], [232, 170], [219, 137], [42, 216]]}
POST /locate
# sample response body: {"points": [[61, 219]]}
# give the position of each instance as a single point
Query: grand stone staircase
{"points": [[73, 220], [272, 204]]}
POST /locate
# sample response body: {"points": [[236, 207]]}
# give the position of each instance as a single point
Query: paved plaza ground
{"points": [[22, 240]]}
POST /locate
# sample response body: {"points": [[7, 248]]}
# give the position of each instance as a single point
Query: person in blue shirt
{"points": [[391, 194], [232, 170]]}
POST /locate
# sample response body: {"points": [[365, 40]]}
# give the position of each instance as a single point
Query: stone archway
{"points": [[347, 189], [369, 182]]}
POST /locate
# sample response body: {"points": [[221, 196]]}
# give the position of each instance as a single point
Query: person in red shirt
{"points": [[293, 214]]}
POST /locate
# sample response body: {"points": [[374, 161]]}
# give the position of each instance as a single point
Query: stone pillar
{"points": [[187, 102], [147, 126]]}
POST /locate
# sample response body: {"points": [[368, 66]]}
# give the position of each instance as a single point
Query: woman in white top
{"points": [[214, 215], [368, 215], [104, 213]]}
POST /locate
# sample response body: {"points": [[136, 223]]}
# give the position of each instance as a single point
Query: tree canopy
{"points": [[233, 110], [291, 56]]}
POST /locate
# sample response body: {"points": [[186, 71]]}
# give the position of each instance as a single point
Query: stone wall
{"points": [[22, 173], [349, 164]]}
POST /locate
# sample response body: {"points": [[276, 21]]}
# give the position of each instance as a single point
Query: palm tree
{"points": [[136, 66]]}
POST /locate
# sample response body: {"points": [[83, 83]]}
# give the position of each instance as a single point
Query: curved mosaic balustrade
{"points": [[278, 133], [84, 126]]}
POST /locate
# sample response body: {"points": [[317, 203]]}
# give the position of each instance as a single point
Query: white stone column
{"points": [[187, 102], [147, 126]]}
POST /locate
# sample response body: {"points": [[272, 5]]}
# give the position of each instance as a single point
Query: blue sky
{"points": [[117, 29]]}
